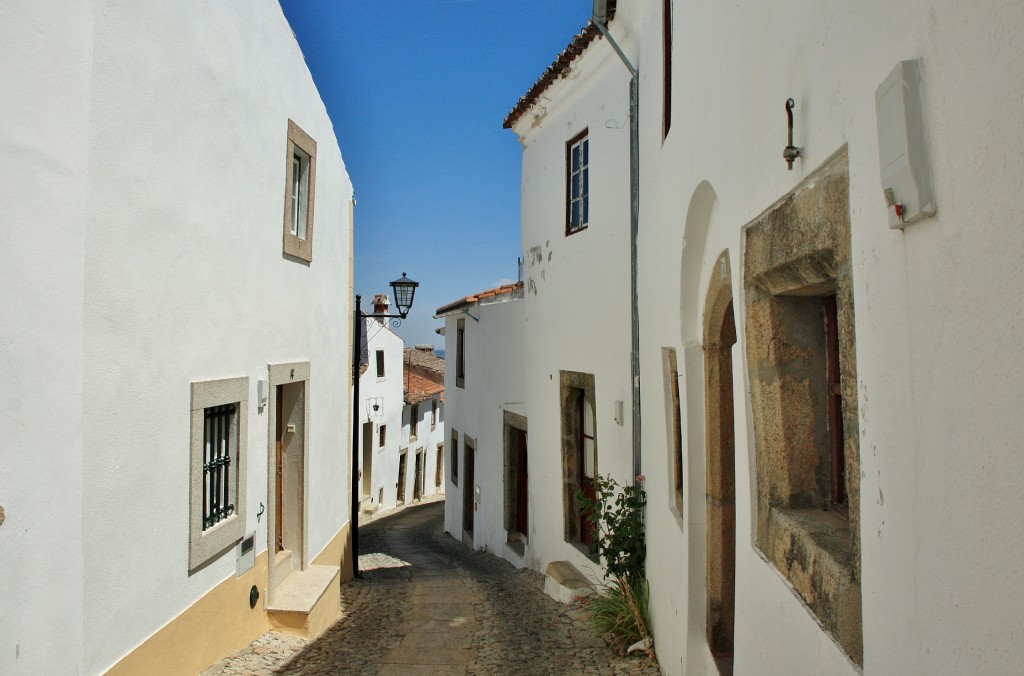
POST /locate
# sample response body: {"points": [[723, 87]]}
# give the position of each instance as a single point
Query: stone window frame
{"points": [[797, 253], [298, 247], [205, 545], [569, 384], [414, 421], [511, 421]]}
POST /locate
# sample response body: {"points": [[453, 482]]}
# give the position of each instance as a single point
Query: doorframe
{"points": [[720, 470], [286, 374]]}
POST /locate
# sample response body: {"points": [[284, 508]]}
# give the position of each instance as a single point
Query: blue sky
{"points": [[417, 91]]}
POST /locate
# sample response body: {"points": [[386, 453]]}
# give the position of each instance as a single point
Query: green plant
{"points": [[619, 613], [617, 515], [613, 612]]}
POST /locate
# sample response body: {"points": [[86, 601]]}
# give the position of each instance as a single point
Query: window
{"points": [[380, 363], [383, 434], [802, 365], [433, 414], [301, 187], [460, 353], [579, 452], [414, 421], [455, 458], [666, 33], [577, 174], [217, 467], [675, 431]]}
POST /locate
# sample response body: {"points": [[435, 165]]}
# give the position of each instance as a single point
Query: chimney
{"points": [[380, 305]]}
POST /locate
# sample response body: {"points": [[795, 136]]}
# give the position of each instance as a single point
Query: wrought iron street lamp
{"points": [[404, 290]]}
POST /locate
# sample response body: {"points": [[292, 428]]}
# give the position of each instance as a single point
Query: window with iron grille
{"points": [[219, 439], [577, 172], [217, 469]]}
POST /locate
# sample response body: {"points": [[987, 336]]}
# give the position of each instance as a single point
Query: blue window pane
{"points": [[574, 220], [575, 158], [586, 211], [586, 151], [585, 174]]}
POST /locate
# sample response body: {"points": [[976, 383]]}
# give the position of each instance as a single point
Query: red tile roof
{"points": [[489, 294], [418, 388], [559, 69]]}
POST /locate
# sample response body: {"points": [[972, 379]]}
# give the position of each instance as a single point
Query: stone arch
{"points": [[719, 333]]}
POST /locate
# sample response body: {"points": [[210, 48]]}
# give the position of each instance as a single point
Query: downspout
{"points": [[600, 20]]}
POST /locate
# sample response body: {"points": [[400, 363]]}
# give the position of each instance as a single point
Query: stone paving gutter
{"points": [[428, 605]]}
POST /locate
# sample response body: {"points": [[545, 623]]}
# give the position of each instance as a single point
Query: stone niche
{"points": [[798, 253]]}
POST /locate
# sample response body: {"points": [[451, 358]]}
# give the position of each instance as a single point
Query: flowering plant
{"points": [[617, 515]]}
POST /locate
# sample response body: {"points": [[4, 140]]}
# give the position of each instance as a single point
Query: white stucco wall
{"points": [[427, 440], [936, 308], [388, 391], [152, 137], [494, 383], [44, 156], [577, 312]]}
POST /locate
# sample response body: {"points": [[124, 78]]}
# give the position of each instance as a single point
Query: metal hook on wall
{"points": [[791, 152]]}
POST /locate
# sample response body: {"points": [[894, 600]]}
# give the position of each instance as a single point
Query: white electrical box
{"points": [[246, 554], [902, 154], [619, 419]]}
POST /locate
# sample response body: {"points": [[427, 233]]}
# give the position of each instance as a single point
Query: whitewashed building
{"points": [[421, 470], [396, 385], [380, 408], [174, 251], [486, 485], [827, 355]]}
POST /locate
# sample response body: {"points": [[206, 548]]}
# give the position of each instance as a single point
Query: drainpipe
{"points": [[600, 19]]}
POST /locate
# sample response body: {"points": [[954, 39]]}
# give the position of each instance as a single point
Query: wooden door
{"points": [[417, 485], [467, 491], [279, 471], [522, 483], [401, 479]]}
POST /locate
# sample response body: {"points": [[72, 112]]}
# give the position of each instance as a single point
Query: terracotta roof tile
{"points": [[418, 388], [483, 295], [424, 359], [559, 69]]}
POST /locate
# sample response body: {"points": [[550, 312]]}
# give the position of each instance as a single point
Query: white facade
{"points": [[145, 153], [427, 442], [385, 392], [492, 387], [384, 403], [935, 306]]}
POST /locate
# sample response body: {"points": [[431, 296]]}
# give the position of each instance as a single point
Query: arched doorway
{"points": [[719, 338]]}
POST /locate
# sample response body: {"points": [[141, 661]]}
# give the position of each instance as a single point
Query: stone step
{"points": [[564, 583], [307, 601]]}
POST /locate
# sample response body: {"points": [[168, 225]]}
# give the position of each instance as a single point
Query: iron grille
{"points": [[217, 504]]}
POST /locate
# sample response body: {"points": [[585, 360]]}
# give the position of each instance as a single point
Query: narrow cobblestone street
{"points": [[426, 604]]}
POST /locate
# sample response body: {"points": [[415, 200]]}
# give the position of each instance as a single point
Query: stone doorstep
{"points": [[300, 591], [564, 583]]}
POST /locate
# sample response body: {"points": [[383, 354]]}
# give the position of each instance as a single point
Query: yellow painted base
{"points": [[186, 645]]}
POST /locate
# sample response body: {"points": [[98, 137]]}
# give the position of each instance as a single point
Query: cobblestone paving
{"points": [[428, 605]]}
